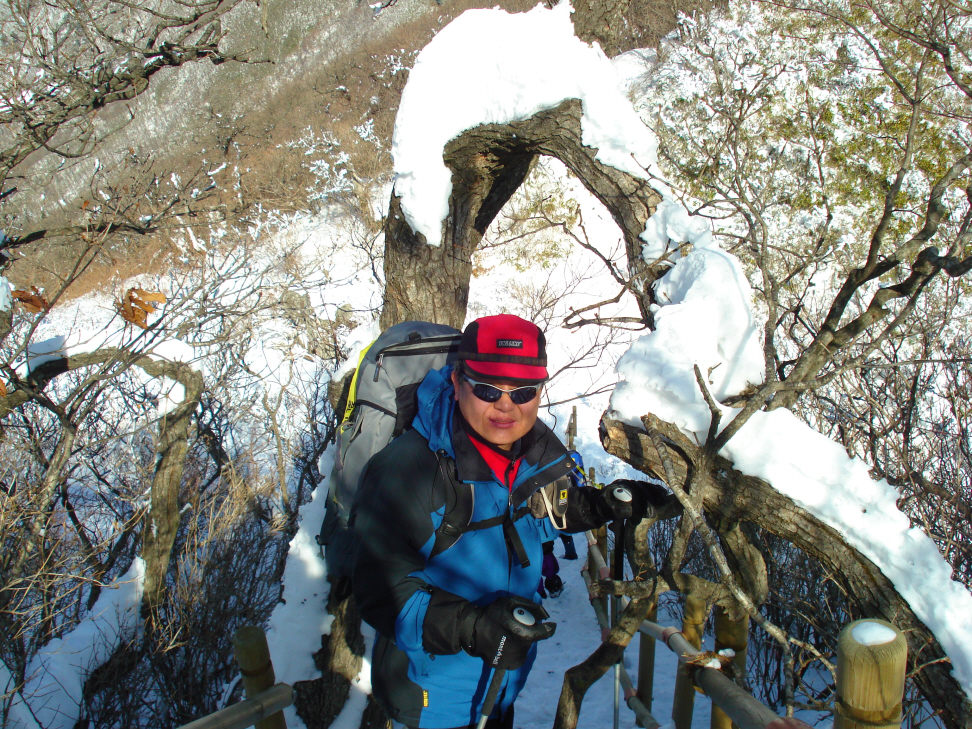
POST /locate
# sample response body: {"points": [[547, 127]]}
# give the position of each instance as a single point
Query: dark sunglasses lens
{"points": [[523, 395], [487, 393]]}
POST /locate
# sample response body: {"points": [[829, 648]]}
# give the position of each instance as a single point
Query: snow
{"points": [[705, 318], [870, 632], [300, 618], [55, 677], [47, 350], [493, 67], [672, 223], [5, 288], [175, 350], [172, 395]]}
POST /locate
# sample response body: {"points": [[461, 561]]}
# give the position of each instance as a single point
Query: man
{"points": [[444, 610]]}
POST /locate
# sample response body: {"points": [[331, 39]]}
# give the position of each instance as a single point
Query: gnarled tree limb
{"points": [[734, 496]]}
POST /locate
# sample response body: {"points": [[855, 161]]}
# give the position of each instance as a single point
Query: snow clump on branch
{"points": [[494, 67]]}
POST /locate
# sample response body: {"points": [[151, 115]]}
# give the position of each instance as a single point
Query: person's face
{"points": [[501, 423]]}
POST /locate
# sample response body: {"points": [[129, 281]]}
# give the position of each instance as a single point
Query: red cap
{"points": [[504, 347]]}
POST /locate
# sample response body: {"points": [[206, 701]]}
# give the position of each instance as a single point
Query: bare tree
{"points": [[69, 69], [145, 440]]}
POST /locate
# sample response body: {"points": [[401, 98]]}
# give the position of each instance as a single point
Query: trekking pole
{"points": [[524, 617], [617, 526], [618, 568]]}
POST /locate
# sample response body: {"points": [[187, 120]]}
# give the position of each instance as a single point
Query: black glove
{"points": [[629, 499], [494, 633]]}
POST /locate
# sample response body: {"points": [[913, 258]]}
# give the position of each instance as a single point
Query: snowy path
{"points": [[576, 638]]}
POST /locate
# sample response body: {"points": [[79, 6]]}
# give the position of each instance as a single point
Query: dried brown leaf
{"points": [[32, 300], [135, 307], [158, 298]]}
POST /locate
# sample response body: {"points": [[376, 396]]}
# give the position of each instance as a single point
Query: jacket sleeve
{"points": [[391, 522]]}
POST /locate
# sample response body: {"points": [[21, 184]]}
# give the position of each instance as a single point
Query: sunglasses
{"points": [[491, 393]]}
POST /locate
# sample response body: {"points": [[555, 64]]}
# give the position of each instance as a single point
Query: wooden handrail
{"points": [[247, 713], [743, 709]]}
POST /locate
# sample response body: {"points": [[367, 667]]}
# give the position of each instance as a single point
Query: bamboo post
{"points": [[646, 663], [732, 634], [683, 703], [872, 657], [253, 655]]}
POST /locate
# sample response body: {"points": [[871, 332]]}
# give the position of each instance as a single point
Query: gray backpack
{"points": [[381, 405]]}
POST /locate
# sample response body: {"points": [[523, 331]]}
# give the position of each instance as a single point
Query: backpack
{"points": [[382, 403]]}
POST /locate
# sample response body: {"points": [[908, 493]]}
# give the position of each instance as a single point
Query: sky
{"points": [[707, 319]]}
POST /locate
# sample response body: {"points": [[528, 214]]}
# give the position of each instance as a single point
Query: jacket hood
{"points": [[435, 407]]}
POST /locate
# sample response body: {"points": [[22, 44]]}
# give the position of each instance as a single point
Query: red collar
{"points": [[502, 467]]}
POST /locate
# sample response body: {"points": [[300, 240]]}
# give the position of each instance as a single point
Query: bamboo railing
{"points": [[266, 700], [871, 665]]}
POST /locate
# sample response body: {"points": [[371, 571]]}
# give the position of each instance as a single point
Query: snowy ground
{"points": [[576, 638]]}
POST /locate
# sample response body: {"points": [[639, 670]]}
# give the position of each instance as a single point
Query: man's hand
{"points": [[502, 632], [630, 499]]}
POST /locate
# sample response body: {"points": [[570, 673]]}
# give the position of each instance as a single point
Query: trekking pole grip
{"points": [[523, 617]]}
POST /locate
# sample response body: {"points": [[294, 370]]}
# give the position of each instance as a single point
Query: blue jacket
{"points": [[420, 674]]}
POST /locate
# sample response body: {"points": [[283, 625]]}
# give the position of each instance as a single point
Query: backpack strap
{"points": [[459, 506], [459, 503]]}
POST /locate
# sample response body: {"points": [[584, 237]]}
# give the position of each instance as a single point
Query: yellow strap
{"points": [[353, 392]]}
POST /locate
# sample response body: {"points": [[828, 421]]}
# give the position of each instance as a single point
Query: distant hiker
{"points": [[570, 552], [551, 583], [441, 591]]}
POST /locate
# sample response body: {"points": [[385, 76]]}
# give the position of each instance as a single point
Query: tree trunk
{"points": [[734, 497], [162, 522], [488, 163], [319, 702], [429, 283]]}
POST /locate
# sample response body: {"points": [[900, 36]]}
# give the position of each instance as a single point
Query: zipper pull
{"points": [[377, 367]]}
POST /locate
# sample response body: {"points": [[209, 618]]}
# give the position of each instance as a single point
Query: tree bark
{"points": [[735, 497], [488, 163], [319, 702], [429, 283], [581, 677], [162, 523]]}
